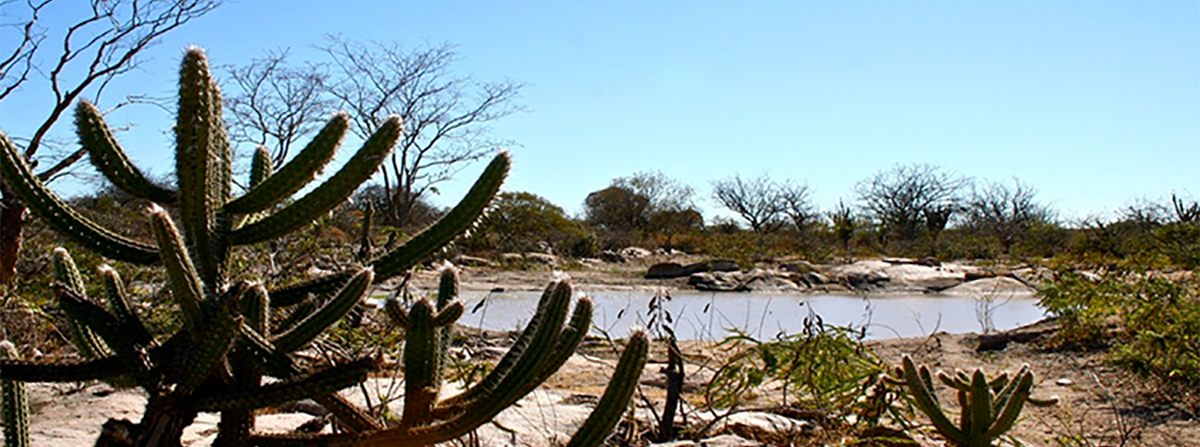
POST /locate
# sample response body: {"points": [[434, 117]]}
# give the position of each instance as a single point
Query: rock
{"points": [[717, 281], [995, 287], [898, 275], [798, 267], [667, 270], [765, 427], [472, 261], [635, 253], [924, 278], [542, 258], [613, 257], [723, 265], [759, 280], [814, 278], [860, 275], [718, 441]]}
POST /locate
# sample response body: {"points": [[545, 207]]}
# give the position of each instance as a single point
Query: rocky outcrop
{"points": [[913, 276], [996, 287], [668, 270], [756, 280], [472, 261]]}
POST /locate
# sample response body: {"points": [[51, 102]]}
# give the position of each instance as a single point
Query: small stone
{"points": [[1064, 382]]}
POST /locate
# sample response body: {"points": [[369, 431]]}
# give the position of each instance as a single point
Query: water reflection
{"points": [[711, 316]]}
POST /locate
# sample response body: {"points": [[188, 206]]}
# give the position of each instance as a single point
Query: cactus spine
{"points": [[14, 403], [989, 407], [228, 342]]}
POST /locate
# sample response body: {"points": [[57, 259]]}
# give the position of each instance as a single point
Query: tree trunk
{"points": [[12, 223]]}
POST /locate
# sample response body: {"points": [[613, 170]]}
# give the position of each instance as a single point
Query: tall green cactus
{"points": [[227, 343], [989, 407], [14, 404]]}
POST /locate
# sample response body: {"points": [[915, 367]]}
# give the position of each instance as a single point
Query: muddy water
{"points": [[712, 316]]}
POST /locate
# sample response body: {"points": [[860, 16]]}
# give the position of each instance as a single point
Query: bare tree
{"points": [[755, 200], [99, 44], [274, 104], [796, 204], [663, 193], [446, 117], [899, 199], [1005, 213]]}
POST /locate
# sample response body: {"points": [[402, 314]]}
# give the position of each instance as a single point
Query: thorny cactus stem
{"points": [[14, 403]]}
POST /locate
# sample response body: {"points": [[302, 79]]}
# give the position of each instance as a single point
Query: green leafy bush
{"points": [[1152, 320], [824, 368]]}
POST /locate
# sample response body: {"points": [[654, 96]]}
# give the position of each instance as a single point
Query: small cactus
{"points": [[989, 407]]}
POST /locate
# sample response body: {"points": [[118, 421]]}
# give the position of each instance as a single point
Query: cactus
{"points": [[14, 403], [228, 343], [989, 407]]}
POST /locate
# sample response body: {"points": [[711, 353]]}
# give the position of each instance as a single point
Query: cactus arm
{"points": [[616, 396], [108, 157], [62, 217], [508, 389], [14, 403], [421, 358], [293, 294], [922, 394], [273, 361], [256, 307], [298, 314], [392, 308], [295, 388], [328, 195], [75, 371], [279, 364], [66, 273], [456, 222], [333, 310], [447, 286], [568, 340], [118, 301], [110, 330], [448, 315], [1006, 393], [981, 404], [629, 368], [295, 174], [201, 162], [211, 351], [1008, 415], [511, 357], [186, 286], [261, 169]]}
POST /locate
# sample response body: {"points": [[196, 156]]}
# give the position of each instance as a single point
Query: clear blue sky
{"points": [[1096, 104]]}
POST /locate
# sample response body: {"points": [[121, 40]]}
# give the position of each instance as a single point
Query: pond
{"points": [[712, 316]]}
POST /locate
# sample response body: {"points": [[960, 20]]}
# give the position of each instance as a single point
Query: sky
{"points": [[1095, 104]]}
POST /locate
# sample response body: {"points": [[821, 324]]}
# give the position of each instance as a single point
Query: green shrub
{"points": [[824, 368], [1152, 321]]}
